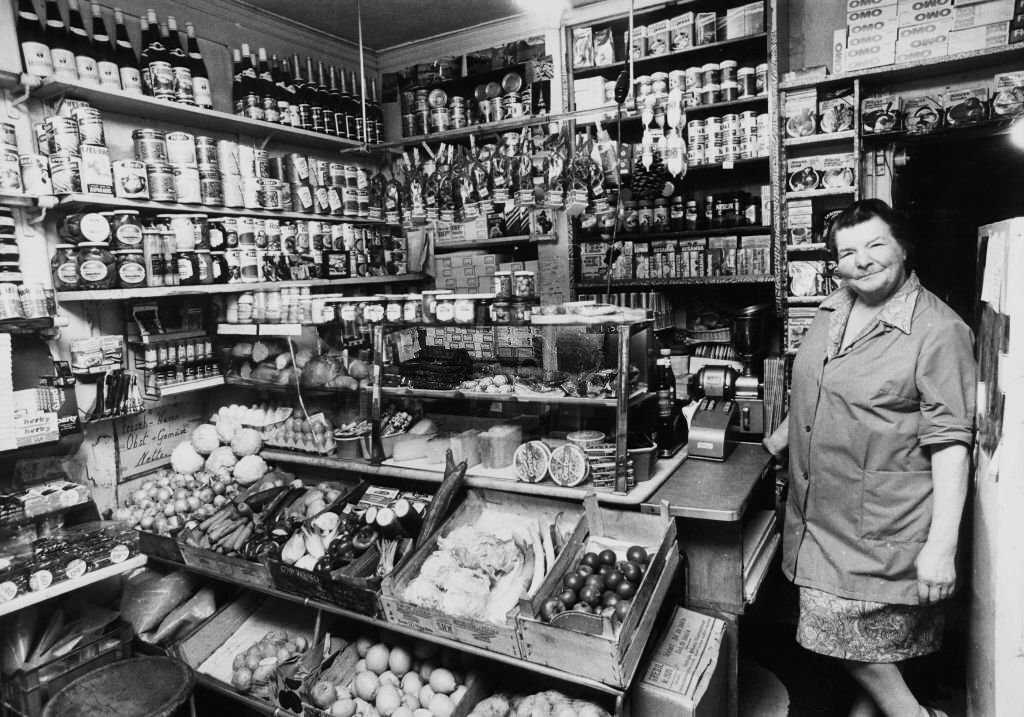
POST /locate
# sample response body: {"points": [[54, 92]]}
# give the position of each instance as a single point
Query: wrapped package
{"points": [[148, 598], [196, 609], [498, 445]]}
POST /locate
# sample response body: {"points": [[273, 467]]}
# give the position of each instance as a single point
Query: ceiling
{"points": [[390, 22]]}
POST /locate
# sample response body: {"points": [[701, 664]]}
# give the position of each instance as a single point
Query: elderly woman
{"points": [[878, 432]]}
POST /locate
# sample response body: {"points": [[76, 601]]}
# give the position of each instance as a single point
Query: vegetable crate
{"points": [[606, 653], [236, 570], [162, 547], [358, 592], [432, 621], [26, 693]]}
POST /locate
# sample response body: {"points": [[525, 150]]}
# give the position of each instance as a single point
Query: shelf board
{"points": [[924, 69], [396, 628], [711, 48], [456, 395], [259, 329], [727, 166], [151, 292], [624, 284], [492, 243], [18, 326], [189, 386], [95, 370], [745, 230], [609, 113], [805, 300], [141, 106], [844, 136], [995, 127], [801, 248], [664, 468], [489, 128], [106, 419], [80, 201], [812, 193], [66, 586], [8, 199]]}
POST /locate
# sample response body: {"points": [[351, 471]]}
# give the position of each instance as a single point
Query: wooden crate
{"points": [[478, 633], [162, 547], [359, 592], [235, 570], [612, 656]]}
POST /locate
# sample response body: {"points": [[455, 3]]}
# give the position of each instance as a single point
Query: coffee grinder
{"points": [[731, 406]]}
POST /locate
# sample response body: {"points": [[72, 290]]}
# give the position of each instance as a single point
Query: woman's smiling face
{"points": [[871, 261]]}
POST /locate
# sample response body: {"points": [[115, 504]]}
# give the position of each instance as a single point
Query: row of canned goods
{"points": [[171, 353], [727, 138], [26, 301], [272, 306]]}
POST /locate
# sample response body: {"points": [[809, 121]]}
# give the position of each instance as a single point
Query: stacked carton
{"points": [[983, 24]]}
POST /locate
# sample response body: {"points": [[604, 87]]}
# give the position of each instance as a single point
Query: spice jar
{"points": [[131, 268], [64, 267], [125, 229], [95, 266], [503, 284], [524, 284]]}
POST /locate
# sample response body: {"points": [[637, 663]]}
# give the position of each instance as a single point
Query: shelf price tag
{"points": [[728, 164]]}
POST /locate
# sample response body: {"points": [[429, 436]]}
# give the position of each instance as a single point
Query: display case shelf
{"points": [[745, 230], [155, 292], [624, 284], [741, 45], [636, 398], [488, 129], [812, 193], [83, 201], [188, 386], [805, 300], [814, 139], [259, 329], [21, 326], [729, 165], [804, 248], [609, 113], [9, 199], [143, 107], [66, 586]]}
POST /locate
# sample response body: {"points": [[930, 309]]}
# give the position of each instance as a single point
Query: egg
{"points": [[365, 686], [442, 681], [377, 658]]}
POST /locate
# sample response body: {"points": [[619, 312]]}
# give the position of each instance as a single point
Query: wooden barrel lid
{"points": [[136, 687]]}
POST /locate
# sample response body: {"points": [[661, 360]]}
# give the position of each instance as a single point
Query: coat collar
{"points": [[897, 311]]}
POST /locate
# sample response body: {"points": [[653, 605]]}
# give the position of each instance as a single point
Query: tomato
{"points": [[582, 607], [626, 590], [612, 579], [574, 581], [550, 608], [591, 595], [596, 580], [607, 557], [567, 596], [637, 554], [604, 569], [609, 598], [621, 609], [590, 559], [632, 572], [585, 570]]}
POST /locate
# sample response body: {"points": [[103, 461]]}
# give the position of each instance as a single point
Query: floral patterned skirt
{"points": [[867, 631]]}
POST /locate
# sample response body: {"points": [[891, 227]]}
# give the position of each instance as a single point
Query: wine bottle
{"points": [[62, 53], [347, 121], [374, 120], [316, 111], [127, 62], [147, 39], [161, 74], [106, 61], [325, 101], [267, 89], [252, 102], [337, 111], [85, 54], [666, 388], [237, 91], [279, 73], [305, 113], [201, 91], [180, 65], [35, 51], [358, 108]]}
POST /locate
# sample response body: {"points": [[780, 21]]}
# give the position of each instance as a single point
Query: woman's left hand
{"points": [[936, 574]]}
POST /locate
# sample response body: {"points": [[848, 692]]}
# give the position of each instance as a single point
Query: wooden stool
{"points": [[136, 687]]}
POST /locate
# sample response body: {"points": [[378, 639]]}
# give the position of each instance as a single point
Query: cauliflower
{"points": [[226, 429], [423, 592], [246, 442], [438, 566], [249, 469], [222, 456], [185, 459], [205, 439]]}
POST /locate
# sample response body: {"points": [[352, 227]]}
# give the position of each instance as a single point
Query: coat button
{"points": [[807, 429]]}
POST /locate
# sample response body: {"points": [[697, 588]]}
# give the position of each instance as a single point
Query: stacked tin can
{"points": [[151, 152], [10, 165], [76, 152], [29, 173], [727, 138], [271, 306]]}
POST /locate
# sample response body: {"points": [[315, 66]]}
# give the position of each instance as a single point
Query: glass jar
{"points": [[521, 312], [524, 284], [84, 227], [96, 268], [204, 263], [221, 270], [373, 310], [125, 229], [677, 214], [630, 217], [503, 284], [660, 223], [501, 312], [188, 268], [394, 307], [347, 314], [131, 268], [645, 216], [465, 308], [483, 309], [64, 267], [412, 309], [444, 312], [430, 298]]}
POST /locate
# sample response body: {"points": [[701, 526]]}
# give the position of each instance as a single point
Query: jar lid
{"points": [[728, 63], [659, 75], [523, 272], [203, 251], [67, 246], [133, 212], [413, 297], [102, 244], [159, 167], [126, 251], [745, 71], [436, 292], [218, 253], [710, 66]]}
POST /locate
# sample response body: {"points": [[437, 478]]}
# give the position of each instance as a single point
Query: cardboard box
{"points": [[658, 42], [984, 13], [880, 113], [934, 51], [979, 38], [1008, 94], [923, 113], [872, 28], [685, 676], [913, 12], [872, 14], [582, 47], [966, 105], [937, 44], [925, 30], [854, 5], [862, 58], [838, 51], [680, 31]]}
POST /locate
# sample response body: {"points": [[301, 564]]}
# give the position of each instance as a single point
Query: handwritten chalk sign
{"points": [[145, 442]]}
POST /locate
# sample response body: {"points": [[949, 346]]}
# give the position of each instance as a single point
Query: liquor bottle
{"points": [[267, 89], [374, 117], [127, 62], [237, 91], [200, 76], [158, 61], [347, 119], [85, 55], [289, 96], [106, 61], [252, 102], [325, 101], [393, 194], [147, 38], [358, 110], [180, 65], [337, 108], [316, 111], [666, 387], [416, 188], [62, 52], [279, 74], [35, 51], [302, 96]]}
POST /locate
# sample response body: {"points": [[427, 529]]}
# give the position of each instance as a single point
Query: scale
{"points": [[731, 404]]}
